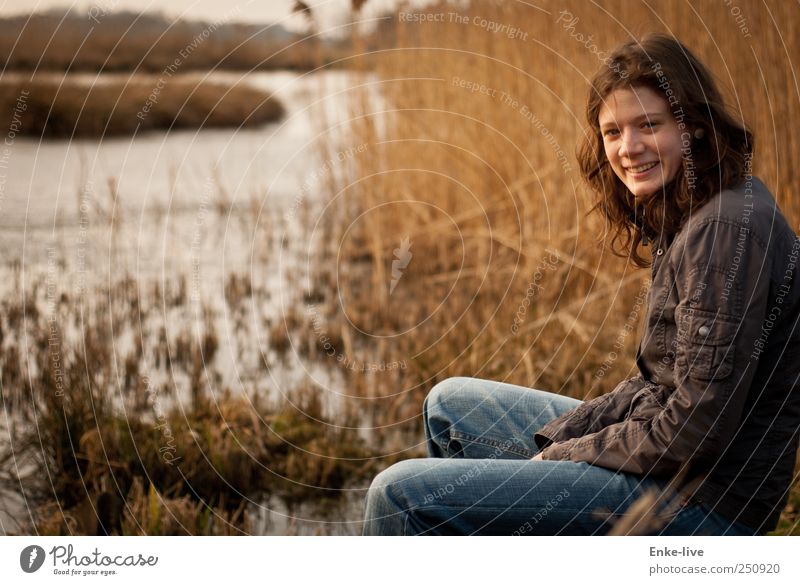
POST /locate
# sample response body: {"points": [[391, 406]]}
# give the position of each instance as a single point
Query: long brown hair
{"points": [[715, 161]]}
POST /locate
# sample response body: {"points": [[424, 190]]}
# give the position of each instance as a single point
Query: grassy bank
{"points": [[63, 107]]}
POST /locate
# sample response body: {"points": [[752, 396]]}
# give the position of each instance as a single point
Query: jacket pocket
{"points": [[705, 343]]}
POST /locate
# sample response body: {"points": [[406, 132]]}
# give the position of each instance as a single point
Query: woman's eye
{"points": [[611, 132], [650, 124]]}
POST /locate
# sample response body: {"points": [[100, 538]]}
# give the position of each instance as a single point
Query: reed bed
{"points": [[460, 242], [55, 107]]}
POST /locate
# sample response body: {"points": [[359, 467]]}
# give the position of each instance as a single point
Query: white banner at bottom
{"points": [[400, 560]]}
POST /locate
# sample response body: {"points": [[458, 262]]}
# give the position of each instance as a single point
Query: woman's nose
{"points": [[631, 144]]}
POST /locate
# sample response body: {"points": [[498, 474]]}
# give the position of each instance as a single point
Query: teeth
{"points": [[642, 168]]}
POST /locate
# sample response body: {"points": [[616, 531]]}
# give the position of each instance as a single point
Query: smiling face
{"points": [[641, 139]]}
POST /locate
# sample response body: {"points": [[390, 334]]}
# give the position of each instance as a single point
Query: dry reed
{"points": [[473, 163]]}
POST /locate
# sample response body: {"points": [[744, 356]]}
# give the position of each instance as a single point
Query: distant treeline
{"points": [[127, 41]]}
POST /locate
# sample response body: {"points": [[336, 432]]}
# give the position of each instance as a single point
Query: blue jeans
{"points": [[479, 477]]}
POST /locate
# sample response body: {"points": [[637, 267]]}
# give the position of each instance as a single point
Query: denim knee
{"points": [[444, 392], [389, 499]]}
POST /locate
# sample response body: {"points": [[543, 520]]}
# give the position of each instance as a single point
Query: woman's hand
{"points": [[537, 457]]}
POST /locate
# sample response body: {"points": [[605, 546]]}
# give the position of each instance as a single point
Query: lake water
{"points": [[192, 205], [168, 174]]}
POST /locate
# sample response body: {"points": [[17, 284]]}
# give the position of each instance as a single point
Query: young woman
{"points": [[712, 419]]}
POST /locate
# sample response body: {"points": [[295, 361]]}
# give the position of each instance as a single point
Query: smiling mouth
{"points": [[641, 168]]}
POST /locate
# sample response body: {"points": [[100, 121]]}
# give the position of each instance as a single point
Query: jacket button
{"points": [[704, 330], [659, 252]]}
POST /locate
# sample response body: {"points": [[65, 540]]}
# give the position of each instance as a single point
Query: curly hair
{"points": [[715, 161]]}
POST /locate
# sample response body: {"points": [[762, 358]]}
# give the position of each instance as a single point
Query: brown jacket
{"points": [[717, 396]]}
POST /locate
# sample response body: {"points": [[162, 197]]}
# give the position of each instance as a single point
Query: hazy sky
{"points": [[330, 12]]}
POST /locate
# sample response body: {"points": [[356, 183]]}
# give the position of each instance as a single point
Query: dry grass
{"points": [[54, 108], [481, 191], [100, 444]]}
